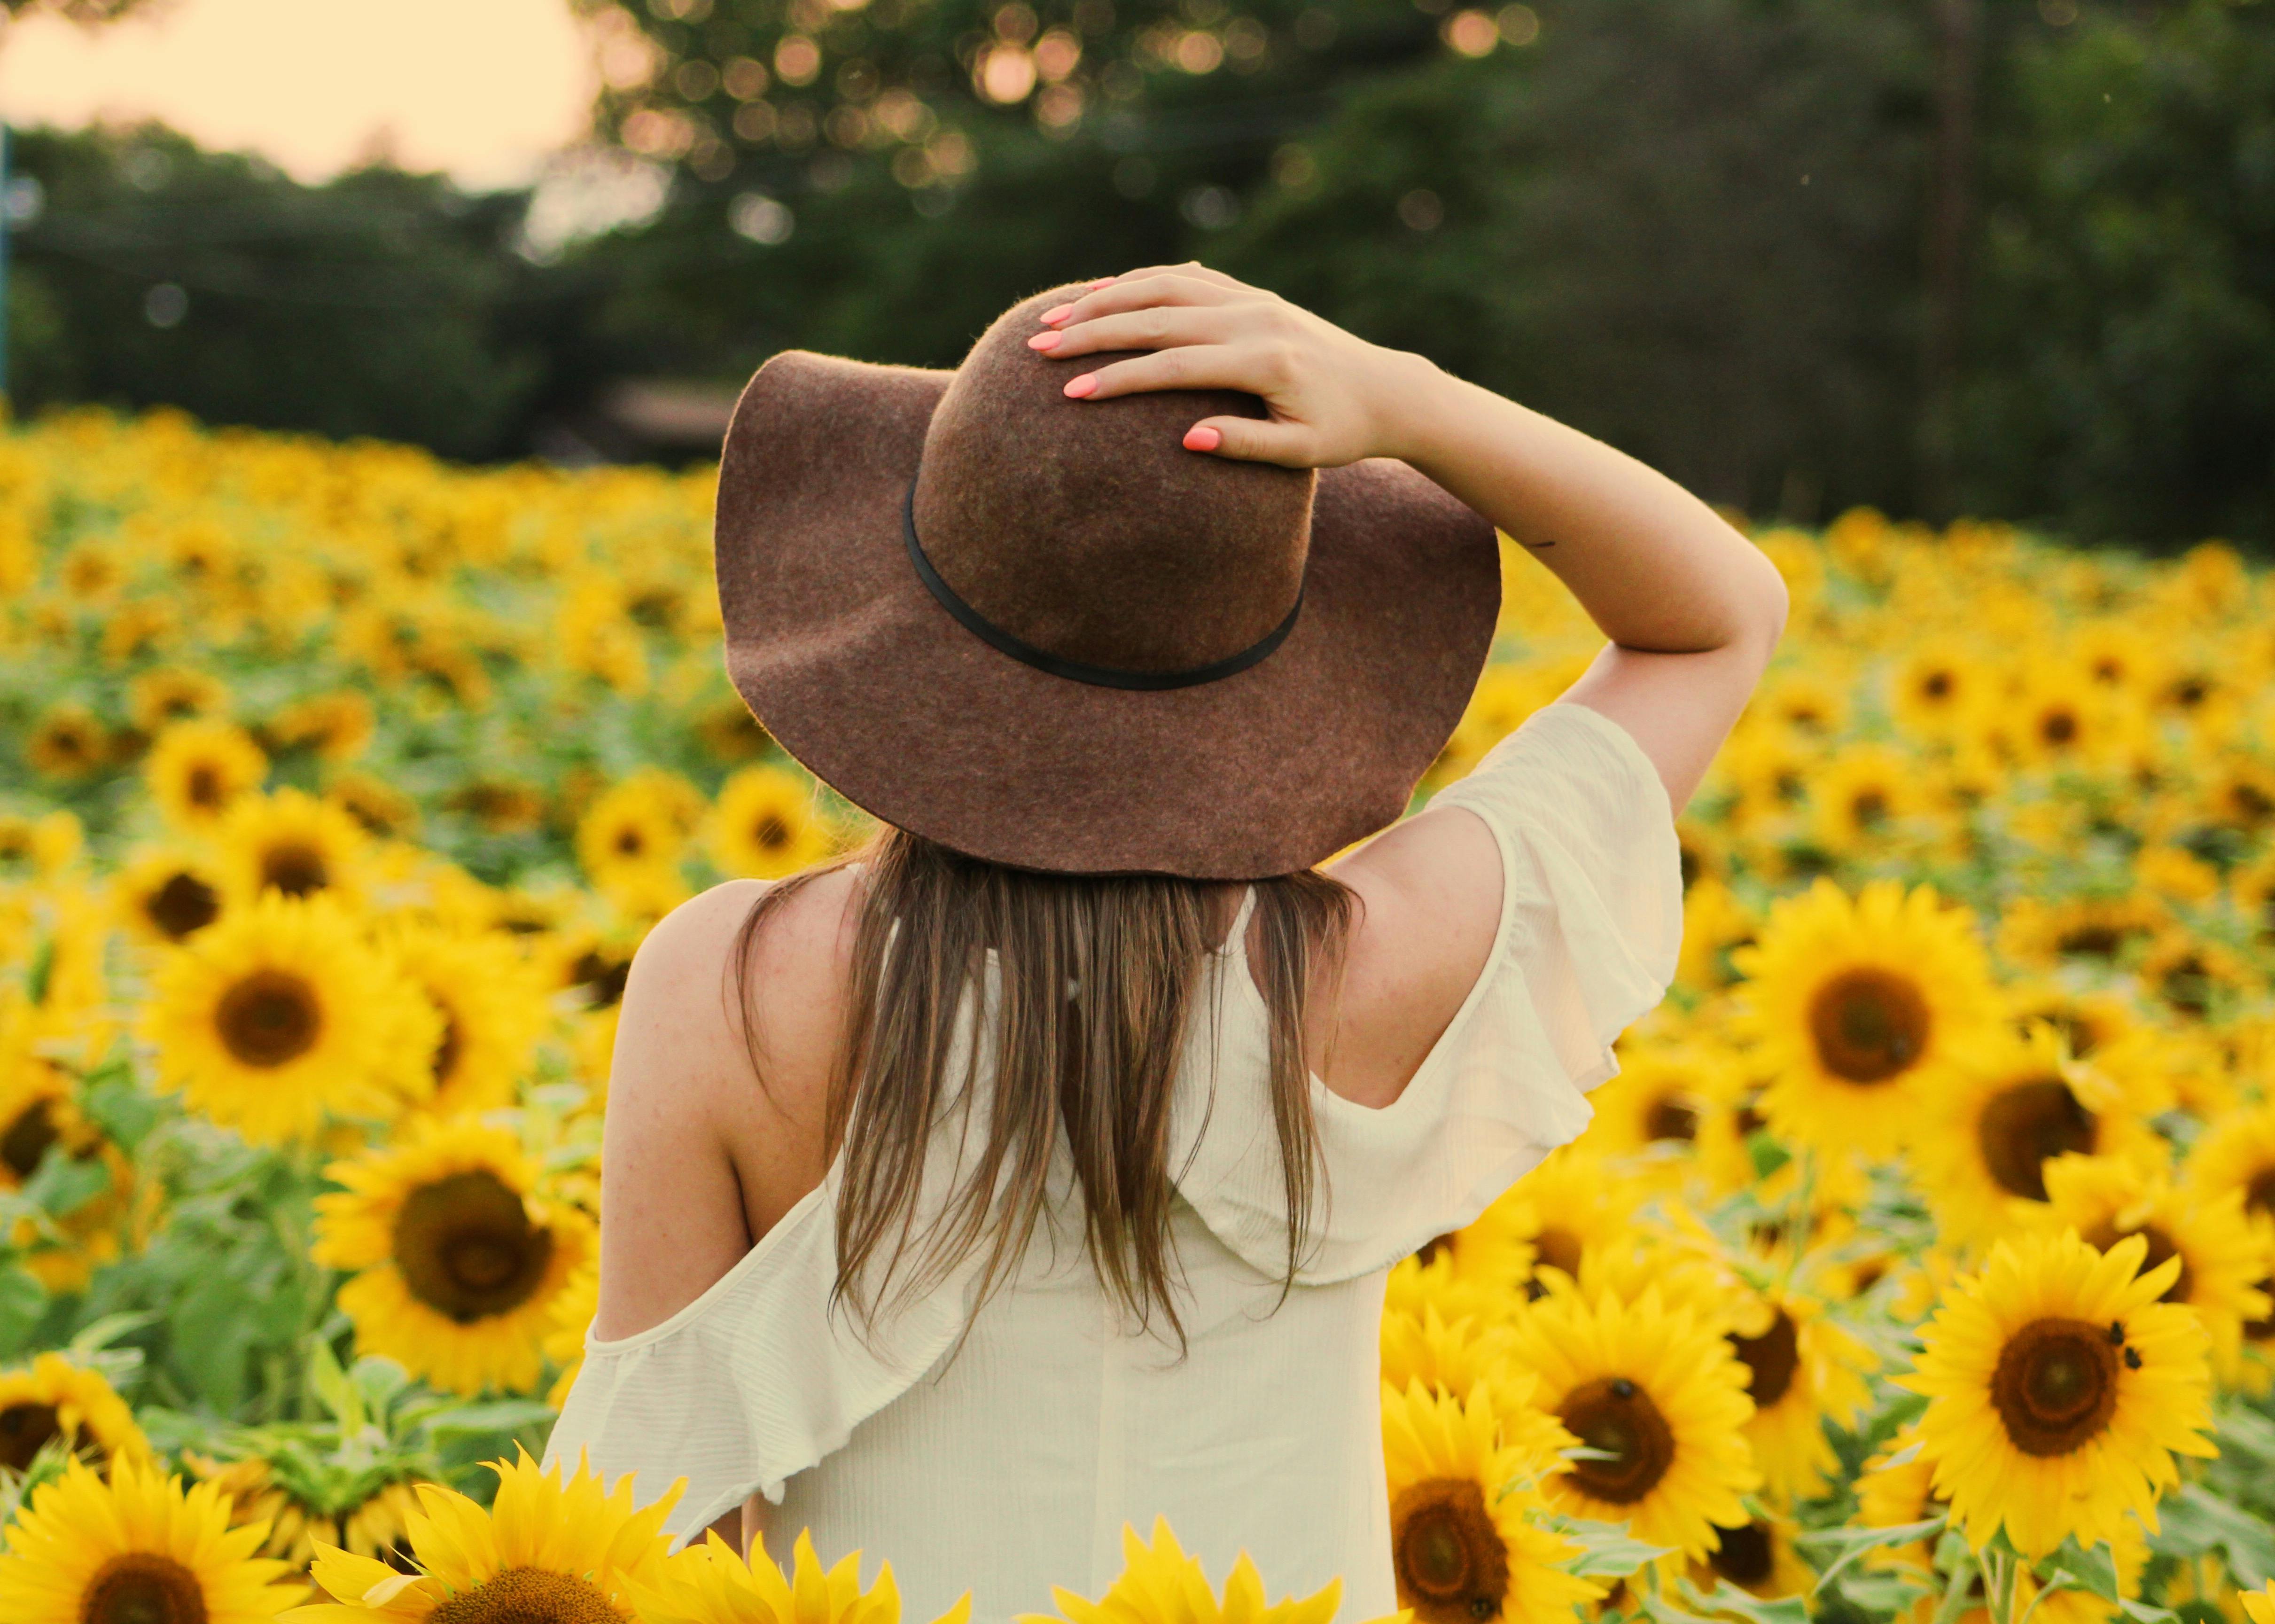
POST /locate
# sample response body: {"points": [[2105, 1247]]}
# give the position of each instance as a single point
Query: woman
{"points": [[1039, 1171]]}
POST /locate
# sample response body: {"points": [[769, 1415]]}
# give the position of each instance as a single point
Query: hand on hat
{"points": [[1333, 398]]}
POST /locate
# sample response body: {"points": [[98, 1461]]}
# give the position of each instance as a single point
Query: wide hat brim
{"points": [[859, 672]]}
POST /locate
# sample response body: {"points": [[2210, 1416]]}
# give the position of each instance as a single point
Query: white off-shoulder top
{"points": [[1007, 1459]]}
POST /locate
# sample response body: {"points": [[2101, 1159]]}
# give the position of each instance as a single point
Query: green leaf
{"points": [[2193, 1521], [42, 969], [1728, 1599], [501, 1415], [2094, 1570], [1768, 1154], [64, 1184], [2143, 1612], [98, 1334], [23, 1300], [1850, 1543], [331, 1385], [1607, 1549], [117, 1103]]}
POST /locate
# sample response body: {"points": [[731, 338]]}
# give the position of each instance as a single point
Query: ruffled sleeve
{"points": [[1590, 924], [756, 1380]]}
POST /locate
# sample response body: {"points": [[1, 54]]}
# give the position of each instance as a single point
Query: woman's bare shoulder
{"points": [[712, 1137]]}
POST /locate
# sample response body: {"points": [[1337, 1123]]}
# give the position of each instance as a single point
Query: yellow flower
{"points": [[708, 1583], [1802, 1371], [377, 1526], [133, 1550], [1860, 796], [54, 1398], [292, 844], [1161, 1584], [2105, 1198], [1661, 1398], [765, 826], [278, 1015], [174, 693], [1422, 1346], [2059, 1389], [632, 838], [1855, 1006], [1758, 1557], [460, 1262], [547, 1549], [197, 768], [67, 742], [2259, 1605], [491, 1006], [167, 896], [2011, 1104], [572, 1318], [1462, 1544], [336, 726]]}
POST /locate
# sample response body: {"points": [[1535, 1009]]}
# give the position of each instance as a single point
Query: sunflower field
{"points": [[1915, 1269]]}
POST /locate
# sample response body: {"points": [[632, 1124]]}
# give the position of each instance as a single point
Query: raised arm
{"points": [[1693, 610]]}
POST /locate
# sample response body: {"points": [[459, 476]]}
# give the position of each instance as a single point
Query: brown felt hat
{"points": [[1040, 631]]}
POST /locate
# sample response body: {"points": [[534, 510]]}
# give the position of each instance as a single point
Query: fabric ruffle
{"points": [[1591, 925]]}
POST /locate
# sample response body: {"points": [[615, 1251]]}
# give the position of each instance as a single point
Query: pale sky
{"points": [[481, 88]]}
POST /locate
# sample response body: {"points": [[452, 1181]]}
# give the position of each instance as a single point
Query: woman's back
{"points": [[1007, 1456]]}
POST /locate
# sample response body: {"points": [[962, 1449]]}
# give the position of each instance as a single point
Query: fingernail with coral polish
{"points": [[1054, 314], [1201, 437], [1083, 385], [1044, 341]]}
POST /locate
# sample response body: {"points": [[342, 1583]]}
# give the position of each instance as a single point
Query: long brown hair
{"points": [[1100, 978]]}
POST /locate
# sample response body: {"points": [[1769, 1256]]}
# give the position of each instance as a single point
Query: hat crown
{"points": [[1084, 528]]}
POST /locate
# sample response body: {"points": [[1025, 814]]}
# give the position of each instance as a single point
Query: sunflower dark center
{"points": [[1770, 1360], [1615, 1416], [1556, 1248], [2261, 1330], [269, 1018], [2058, 727], [529, 1596], [1743, 1555], [1869, 1025], [203, 786], [2027, 1124], [142, 1587], [1869, 807], [1669, 1118], [2091, 942], [2055, 1386], [2161, 1249], [466, 1246], [771, 832], [294, 868], [1452, 1567], [449, 1048], [182, 906], [27, 1138], [1434, 1248], [24, 1429], [629, 841], [2259, 1195], [1938, 686], [602, 976]]}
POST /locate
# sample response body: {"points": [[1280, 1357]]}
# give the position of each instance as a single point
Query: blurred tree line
{"points": [[2011, 258]]}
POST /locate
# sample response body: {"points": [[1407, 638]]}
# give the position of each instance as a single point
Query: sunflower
{"points": [[1568, 1204], [135, 1550], [1855, 1006], [279, 1014], [460, 1262], [2059, 1389], [54, 1398], [1652, 1111], [1661, 1399], [380, 809], [548, 1549], [156, 699], [1462, 1544], [708, 1583], [2097, 930], [1758, 1557], [1896, 1489], [2259, 1605], [2195, 978], [67, 742], [197, 768], [335, 726], [1937, 685], [2105, 1198], [1802, 1371], [167, 896], [2012, 1104], [636, 828], [1484, 1265], [1161, 1584], [46, 845], [491, 1007], [765, 826], [38, 1112], [1860, 796], [376, 1525], [1421, 1345], [292, 844]]}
